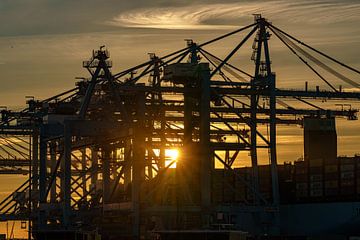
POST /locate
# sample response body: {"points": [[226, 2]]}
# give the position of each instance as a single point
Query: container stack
{"points": [[331, 180], [265, 183], [316, 178], [286, 171], [320, 152], [286, 182], [347, 176], [312, 180], [301, 180]]}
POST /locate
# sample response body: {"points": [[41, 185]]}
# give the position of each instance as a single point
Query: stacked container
{"points": [[331, 180], [311, 180], [265, 183], [347, 176], [301, 180], [286, 182], [320, 151], [316, 178]]}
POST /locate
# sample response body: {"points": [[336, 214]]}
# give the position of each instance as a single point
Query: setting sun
{"points": [[172, 154]]}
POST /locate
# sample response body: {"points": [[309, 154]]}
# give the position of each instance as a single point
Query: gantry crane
{"points": [[97, 153]]}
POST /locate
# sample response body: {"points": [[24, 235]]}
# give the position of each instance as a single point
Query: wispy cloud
{"points": [[174, 18], [209, 16]]}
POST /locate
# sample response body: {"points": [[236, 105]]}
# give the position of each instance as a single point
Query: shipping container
{"points": [[316, 178], [316, 192], [315, 170], [331, 184], [266, 195], [301, 182], [301, 194], [347, 167], [347, 190], [347, 182], [347, 175], [316, 185], [301, 178], [330, 168], [300, 167], [346, 160], [331, 176], [331, 191], [300, 170], [286, 172], [301, 186], [317, 162]]}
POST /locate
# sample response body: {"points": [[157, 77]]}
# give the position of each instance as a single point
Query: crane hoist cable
{"points": [[303, 60], [313, 49], [226, 79], [211, 58], [319, 63], [212, 62], [226, 64], [228, 69]]}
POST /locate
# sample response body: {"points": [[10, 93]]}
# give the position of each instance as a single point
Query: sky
{"points": [[43, 43]]}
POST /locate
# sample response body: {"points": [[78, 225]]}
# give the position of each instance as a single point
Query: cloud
{"points": [[23, 17], [186, 17], [227, 15], [169, 18]]}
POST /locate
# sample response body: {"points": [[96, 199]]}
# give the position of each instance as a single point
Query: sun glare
{"points": [[172, 154]]}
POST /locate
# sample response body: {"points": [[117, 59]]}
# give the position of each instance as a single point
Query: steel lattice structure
{"points": [[97, 153]]}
